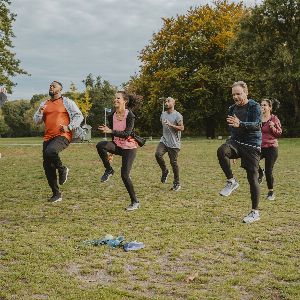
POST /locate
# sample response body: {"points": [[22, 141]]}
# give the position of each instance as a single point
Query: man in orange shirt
{"points": [[62, 118]]}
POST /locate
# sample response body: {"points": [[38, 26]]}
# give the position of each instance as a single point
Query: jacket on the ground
{"points": [[75, 116], [252, 126]]}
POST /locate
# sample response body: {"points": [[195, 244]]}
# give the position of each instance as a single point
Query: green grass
{"points": [[42, 255]]}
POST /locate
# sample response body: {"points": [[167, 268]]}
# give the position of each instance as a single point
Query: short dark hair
{"points": [[58, 83]]}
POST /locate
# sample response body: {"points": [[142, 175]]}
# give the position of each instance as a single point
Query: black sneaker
{"points": [[164, 176], [63, 175], [176, 187], [107, 174], [261, 176], [55, 198], [270, 196]]}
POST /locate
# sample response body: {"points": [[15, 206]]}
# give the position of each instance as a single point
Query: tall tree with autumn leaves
{"points": [[185, 59], [9, 64], [266, 53]]}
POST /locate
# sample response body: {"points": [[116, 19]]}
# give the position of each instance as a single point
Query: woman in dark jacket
{"points": [[121, 127]]}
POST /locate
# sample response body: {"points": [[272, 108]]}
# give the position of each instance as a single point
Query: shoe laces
{"points": [[229, 183]]}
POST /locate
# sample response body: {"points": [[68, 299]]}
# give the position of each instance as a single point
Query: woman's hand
{"points": [[104, 129], [271, 125]]}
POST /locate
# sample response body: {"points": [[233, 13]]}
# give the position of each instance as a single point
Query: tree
{"points": [[101, 94], [38, 98], [267, 54], [9, 64], [83, 101], [4, 128], [185, 60], [15, 116]]}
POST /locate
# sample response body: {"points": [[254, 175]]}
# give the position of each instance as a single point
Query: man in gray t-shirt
{"points": [[172, 123]]}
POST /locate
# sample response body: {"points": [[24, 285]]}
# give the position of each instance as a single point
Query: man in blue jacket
{"points": [[244, 120]]}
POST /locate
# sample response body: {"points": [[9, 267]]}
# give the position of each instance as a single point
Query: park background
{"points": [[196, 246], [194, 57]]}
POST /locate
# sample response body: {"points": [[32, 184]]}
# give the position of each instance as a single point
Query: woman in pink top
{"points": [[271, 130], [121, 127]]}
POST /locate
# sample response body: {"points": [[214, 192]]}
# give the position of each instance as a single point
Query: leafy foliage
{"points": [[185, 60], [9, 64], [266, 53]]}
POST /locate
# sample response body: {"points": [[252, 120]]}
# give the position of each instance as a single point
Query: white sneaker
{"points": [[133, 206], [230, 186], [252, 217]]}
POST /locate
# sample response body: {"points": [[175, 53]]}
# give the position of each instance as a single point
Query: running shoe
{"points": [[107, 174], [63, 175], [176, 187], [133, 206], [251, 217], [164, 176], [55, 198], [270, 196], [230, 186]]}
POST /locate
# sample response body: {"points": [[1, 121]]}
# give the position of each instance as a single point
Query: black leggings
{"points": [[51, 160], [225, 153], [173, 154], [270, 155], [128, 156]]}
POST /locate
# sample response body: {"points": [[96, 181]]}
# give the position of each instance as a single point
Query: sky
{"points": [[65, 40]]}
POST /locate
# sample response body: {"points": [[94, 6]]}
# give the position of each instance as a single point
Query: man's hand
{"points": [[64, 128], [104, 129], [233, 121], [3, 90], [167, 122], [41, 109]]}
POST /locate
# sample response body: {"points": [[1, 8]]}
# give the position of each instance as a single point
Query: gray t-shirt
{"points": [[171, 137]]}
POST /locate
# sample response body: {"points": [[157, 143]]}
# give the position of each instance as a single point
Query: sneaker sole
{"points": [[270, 198], [226, 195], [58, 200], [66, 177], [249, 222], [177, 190], [131, 209]]}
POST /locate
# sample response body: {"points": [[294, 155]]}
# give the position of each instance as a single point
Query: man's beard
{"points": [[51, 93]]}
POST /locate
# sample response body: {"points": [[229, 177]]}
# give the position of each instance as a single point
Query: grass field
{"points": [[194, 232]]}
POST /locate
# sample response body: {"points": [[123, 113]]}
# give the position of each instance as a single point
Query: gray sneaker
{"points": [[270, 196], [252, 217], [176, 187], [55, 198], [133, 206], [230, 186]]}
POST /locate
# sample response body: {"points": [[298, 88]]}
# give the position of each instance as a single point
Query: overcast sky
{"points": [[65, 40]]}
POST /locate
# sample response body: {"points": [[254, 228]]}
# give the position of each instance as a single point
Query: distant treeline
{"points": [[195, 58]]}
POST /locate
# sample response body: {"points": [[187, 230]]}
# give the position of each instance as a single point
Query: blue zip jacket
{"points": [[251, 127]]}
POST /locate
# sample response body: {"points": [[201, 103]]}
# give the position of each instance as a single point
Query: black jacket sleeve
{"points": [[129, 126]]}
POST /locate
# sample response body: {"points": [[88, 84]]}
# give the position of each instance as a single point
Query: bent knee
{"points": [[158, 154], [101, 145], [50, 152], [222, 150]]}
